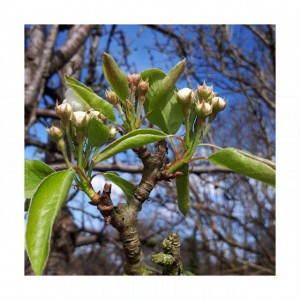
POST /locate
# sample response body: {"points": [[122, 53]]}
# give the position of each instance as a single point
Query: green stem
{"points": [[69, 139], [80, 154], [86, 185], [122, 115], [187, 114], [91, 166], [63, 149], [204, 132], [138, 115]]}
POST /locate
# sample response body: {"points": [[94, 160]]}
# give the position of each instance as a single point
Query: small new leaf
{"points": [[166, 85], [98, 133], [115, 77], [167, 114], [127, 187]]}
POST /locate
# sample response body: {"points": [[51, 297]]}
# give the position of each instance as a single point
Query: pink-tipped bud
{"points": [[55, 133], [204, 91], [111, 97], [133, 79], [185, 96], [64, 111], [143, 87], [218, 104], [80, 119]]}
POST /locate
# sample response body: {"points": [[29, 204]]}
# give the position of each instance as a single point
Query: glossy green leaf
{"points": [[246, 164], [27, 204], [115, 77], [44, 208], [35, 172], [168, 114], [93, 100], [127, 187], [158, 95], [183, 189], [73, 81], [98, 133], [135, 138]]}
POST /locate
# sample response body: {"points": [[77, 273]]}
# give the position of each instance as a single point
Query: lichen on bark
{"points": [[170, 258]]}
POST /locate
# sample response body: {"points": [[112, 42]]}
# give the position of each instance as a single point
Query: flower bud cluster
{"points": [[203, 100], [133, 79], [77, 111]]}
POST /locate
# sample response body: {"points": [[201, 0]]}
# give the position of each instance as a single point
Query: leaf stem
{"points": [[66, 130], [187, 114], [65, 155], [138, 115], [122, 114]]}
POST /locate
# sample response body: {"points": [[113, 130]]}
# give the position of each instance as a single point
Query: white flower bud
{"points": [[64, 110], [76, 102], [203, 109], [218, 103], [55, 133], [207, 109], [94, 113], [204, 91], [112, 132], [80, 119], [185, 96]]}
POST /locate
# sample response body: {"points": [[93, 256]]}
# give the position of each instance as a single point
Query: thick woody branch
{"points": [[124, 217], [34, 88], [72, 45], [152, 165]]}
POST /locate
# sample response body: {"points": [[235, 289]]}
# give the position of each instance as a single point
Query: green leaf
{"points": [[167, 114], [93, 100], [73, 81], [127, 187], [98, 133], [183, 190], [35, 172], [115, 77], [44, 208], [246, 164], [165, 85], [135, 138]]}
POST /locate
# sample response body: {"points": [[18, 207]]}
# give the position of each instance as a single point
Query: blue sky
{"points": [[140, 40]]}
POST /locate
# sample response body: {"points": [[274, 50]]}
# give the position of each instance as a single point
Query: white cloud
{"points": [[116, 193]]}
